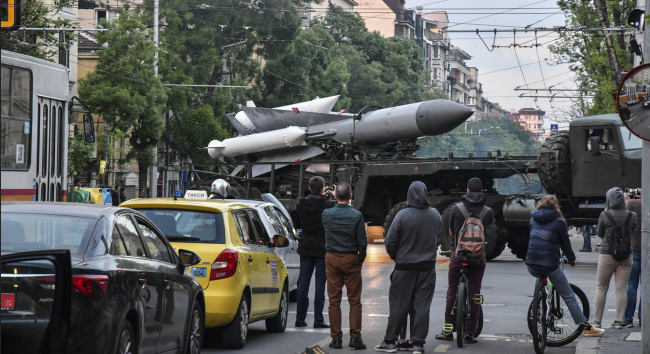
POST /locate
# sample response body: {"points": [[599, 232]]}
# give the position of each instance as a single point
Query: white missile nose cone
{"points": [[214, 149], [294, 136]]}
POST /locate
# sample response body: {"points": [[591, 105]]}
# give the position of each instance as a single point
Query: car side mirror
{"points": [[594, 145], [280, 241], [189, 258], [298, 234]]}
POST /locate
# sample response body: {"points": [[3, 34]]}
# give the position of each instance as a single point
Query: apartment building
{"points": [[312, 12], [532, 120], [459, 74], [438, 60]]}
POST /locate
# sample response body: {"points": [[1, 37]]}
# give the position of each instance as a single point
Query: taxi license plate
{"points": [[199, 272], [8, 302]]}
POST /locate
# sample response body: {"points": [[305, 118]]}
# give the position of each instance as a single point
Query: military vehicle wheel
{"points": [[391, 215], [519, 249], [496, 251], [444, 238], [556, 176]]}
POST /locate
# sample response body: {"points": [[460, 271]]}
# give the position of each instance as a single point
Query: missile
{"points": [[273, 140], [318, 105], [282, 129]]}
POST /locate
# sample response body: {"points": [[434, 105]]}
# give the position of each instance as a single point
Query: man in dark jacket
{"points": [[474, 201], [115, 196], [311, 249], [635, 275], [123, 197], [346, 244], [412, 242]]}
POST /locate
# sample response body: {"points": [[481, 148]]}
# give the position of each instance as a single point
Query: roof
{"points": [[598, 120], [439, 16], [94, 211], [218, 205], [87, 42]]}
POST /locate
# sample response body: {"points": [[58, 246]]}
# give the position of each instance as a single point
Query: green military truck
{"points": [[578, 166]]}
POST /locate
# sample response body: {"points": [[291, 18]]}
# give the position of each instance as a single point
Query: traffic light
{"points": [[636, 19], [10, 15]]}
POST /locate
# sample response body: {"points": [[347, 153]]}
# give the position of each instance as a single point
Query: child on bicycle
{"points": [[548, 234]]}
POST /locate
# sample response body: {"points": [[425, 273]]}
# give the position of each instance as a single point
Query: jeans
{"points": [[561, 284], [474, 278], [307, 265], [586, 233], [632, 287]]}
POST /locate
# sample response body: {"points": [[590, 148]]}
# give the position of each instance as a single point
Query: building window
{"points": [[101, 15], [435, 73], [436, 52]]}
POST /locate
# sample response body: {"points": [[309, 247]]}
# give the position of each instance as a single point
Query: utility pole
{"points": [[153, 179], [614, 67], [645, 221]]}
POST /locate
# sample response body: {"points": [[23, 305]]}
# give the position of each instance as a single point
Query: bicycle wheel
{"points": [[562, 330], [461, 299], [539, 315], [479, 325]]}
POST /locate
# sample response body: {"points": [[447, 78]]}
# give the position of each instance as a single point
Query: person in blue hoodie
{"points": [[549, 234]]}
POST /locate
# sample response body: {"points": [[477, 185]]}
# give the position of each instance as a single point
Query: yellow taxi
{"points": [[243, 278]]}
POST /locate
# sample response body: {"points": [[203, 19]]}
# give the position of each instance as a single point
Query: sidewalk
{"points": [[613, 341]]}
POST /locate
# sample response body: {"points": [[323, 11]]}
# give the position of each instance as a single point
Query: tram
{"points": [[34, 158]]}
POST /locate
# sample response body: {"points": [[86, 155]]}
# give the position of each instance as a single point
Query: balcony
{"points": [[408, 18]]}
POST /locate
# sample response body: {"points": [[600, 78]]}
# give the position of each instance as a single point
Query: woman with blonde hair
{"points": [[549, 234]]}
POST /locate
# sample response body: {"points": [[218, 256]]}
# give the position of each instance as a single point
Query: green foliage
{"points": [[79, 153], [587, 54], [196, 129], [496, 134], [362, 67], [126, 92], [36, 14]]}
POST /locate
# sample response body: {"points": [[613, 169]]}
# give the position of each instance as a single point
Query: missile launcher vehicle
{"points": [[375, 151]]}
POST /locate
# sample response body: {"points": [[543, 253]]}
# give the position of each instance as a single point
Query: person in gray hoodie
{"points": [[412, 242], [607, 265]]}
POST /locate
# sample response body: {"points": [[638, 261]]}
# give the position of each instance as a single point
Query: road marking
{"points": [[307, 330], [486, 320], [507, 340], [488, 338], [377, 315], [442, 348], [494, 305], [311, 313], [611, 310]]}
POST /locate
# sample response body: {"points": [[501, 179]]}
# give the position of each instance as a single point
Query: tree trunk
{"points": [[614, 67], [216, 71], [142, 171]]}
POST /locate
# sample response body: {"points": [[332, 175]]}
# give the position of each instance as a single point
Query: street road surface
{"points": [[639, 122], [507, 287]]}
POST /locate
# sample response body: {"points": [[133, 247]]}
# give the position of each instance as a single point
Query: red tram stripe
{"points": [[31, 191]]}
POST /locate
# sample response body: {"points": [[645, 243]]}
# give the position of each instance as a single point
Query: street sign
{"points": [[554, 128]]}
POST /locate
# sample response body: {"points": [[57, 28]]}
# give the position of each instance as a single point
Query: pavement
{"points": [[507, 288]]}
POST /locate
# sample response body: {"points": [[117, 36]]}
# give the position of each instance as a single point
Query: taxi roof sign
{"points": [[196, 195]]}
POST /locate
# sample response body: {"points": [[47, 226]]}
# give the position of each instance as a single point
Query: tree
{"points": [[125, 91], [588, 56], [39, 44], [479, 137], [79, 153]]}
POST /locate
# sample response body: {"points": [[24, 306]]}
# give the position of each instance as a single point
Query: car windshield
{"points": [[33, 232], [188, 226], [630, 141]]}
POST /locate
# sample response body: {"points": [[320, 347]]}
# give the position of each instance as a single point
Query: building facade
{"points": [[532, 120], [312, 12]]}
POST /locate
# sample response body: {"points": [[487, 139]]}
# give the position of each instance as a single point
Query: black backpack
{"points": [[620, 246]]}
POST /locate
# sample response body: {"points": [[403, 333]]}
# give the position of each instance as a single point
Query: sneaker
{"points": [[448, 336], [405, 346], [616, 325], [585, 250], [597, 324], [470, 340], [627, 324], [386, 347], [592, 331], [418, 349], [356, 343]]}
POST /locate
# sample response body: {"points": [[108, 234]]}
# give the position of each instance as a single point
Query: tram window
{"points": [[62, 143], [44, 141], [15, 149]]}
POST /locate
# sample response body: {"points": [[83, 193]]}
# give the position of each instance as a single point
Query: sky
{"points": [[499, 87]]}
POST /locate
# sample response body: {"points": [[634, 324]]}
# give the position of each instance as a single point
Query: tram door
{"points": [[52, 125]]}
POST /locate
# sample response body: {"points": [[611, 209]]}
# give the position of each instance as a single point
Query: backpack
{"points": [[619, 238], [471, 237]]}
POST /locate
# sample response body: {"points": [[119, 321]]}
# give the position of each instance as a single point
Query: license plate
{"points": [[200, 272], [8, 302]]}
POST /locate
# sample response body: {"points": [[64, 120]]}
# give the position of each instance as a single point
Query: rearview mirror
{"points": [[189, 258], [594, 145], [280, 241], [89, 128]]}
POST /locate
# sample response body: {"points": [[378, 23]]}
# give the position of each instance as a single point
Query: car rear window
{"points": [[187, 225], [33, 232]]}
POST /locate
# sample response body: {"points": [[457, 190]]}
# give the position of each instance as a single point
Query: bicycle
{"points": [[462, 309], [547, 312]]}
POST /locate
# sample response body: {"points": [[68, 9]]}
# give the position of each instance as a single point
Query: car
{"points": [[645, 104], [101, 279], [243, 278]]}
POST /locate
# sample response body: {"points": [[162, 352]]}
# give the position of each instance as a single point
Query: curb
{"points": [[588, 345]]}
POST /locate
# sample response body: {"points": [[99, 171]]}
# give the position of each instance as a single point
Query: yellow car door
{"points": [[251, 255], [273, 265]]}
